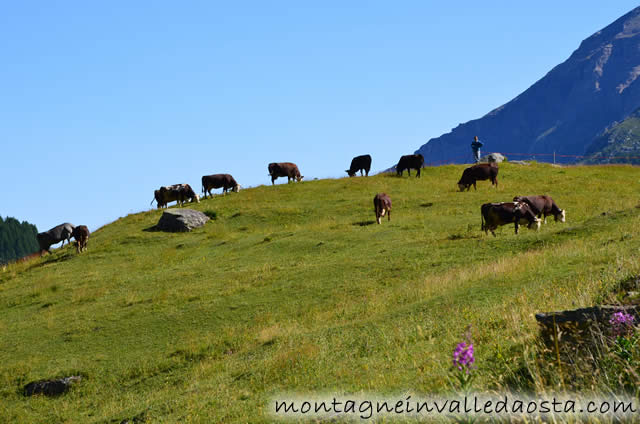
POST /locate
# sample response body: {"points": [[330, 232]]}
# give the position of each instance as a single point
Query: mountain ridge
{"points": [[567, 109]]}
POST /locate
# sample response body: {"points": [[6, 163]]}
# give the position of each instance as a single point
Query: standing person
{"points": [[475, 147]]}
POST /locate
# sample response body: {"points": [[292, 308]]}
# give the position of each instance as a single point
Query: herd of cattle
{"points": [[523, 210]]}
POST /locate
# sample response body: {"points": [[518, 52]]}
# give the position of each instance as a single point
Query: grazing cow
{"points": [[224, 181], [410, 162], [382, 205], [359, 163], [178, 192], [81, 234], [284, 169], [496, 214], [479, 172], [543, 205], [61, 232]]}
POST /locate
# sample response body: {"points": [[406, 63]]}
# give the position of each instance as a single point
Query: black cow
{"points": [[496, 214], [224, 181], [543, 205], [479, 172], [284, 169], [410, 162], [81, 234], [58, 233], [359, 163], [382, 206]]}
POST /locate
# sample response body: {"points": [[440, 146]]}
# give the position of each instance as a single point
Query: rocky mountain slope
{"points": [[568, 110]]}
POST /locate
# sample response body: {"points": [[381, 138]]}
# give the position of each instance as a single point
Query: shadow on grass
{"points": [[58, 257], [363, 223], [426, 205]]}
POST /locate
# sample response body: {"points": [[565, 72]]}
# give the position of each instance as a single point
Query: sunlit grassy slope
{"points": [[294, 289]]}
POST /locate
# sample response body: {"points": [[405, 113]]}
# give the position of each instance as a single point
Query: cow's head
{"points": [[195, 198], [560, 216], [299, 178], [535, 223], [236, 188], [350, 172]]}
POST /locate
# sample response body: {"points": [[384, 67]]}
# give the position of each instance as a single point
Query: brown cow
{"points": [[496, 214], [224, 181], [382, 205], [479, 172], [81, 234], [543, 205], [177, 192], [284, 169]]}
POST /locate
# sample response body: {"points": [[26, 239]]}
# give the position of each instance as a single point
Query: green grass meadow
{"points": [[293, 288]]}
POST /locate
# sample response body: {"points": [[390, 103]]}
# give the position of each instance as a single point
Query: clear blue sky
{"points": [[103, 102]]}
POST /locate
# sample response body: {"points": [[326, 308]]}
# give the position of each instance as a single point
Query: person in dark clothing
{"points": [[475, 147]]}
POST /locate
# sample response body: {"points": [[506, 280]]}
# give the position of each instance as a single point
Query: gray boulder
{"points": [[180, 220], [493, 157]]}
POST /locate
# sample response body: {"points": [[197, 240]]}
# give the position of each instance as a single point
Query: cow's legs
{"points": [[474, 187], [389, 215], [273, 179], [516, 226], [419, 169]]}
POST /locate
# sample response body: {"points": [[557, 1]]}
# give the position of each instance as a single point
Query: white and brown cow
{"points": [[497, 214], [543, 206], [382, 206]]}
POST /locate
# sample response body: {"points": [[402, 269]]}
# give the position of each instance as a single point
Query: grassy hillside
{"points": [[294, 289]]}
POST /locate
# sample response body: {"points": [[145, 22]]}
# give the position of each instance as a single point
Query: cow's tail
{"points": [[482, 225], [152, 200]]}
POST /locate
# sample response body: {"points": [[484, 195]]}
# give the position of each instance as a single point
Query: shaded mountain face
{"points": [[567, 110]]}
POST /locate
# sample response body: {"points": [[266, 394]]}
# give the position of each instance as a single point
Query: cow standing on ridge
{"points": [[224, 181], [359, 163], [479, 172], [58, 233], [284, 169], [410, 162], [177, 192], [81, 234], [382, 206]]}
